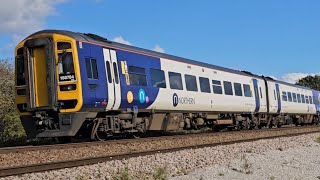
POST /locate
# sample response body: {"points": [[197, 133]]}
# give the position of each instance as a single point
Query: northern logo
{"points": [[175, 100], [182, 100]]}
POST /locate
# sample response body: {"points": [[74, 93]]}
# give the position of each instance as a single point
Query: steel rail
{"points": [[19, 170], [19, 149]]}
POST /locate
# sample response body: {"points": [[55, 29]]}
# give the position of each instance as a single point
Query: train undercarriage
{"points": [[99, 126]]}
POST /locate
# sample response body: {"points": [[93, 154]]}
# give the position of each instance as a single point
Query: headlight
{"points": [[69, 87]]}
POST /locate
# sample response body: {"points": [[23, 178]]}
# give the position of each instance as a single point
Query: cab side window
{"points": [[91, 66]]}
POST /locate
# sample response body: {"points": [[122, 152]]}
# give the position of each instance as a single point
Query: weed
{"points": [[246, 166], [99, 174], [249, 150], [161, 173], [220, 174], [123, 175], [82, 177], [272, 178], [318, 139]]}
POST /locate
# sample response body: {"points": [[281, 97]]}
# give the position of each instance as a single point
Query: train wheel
{"points": [[100, 136], [138, 135]]}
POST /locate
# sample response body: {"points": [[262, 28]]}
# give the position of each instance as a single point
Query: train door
{"points": [[278, 98], [40, 80], [256, 94], [113, 81]]}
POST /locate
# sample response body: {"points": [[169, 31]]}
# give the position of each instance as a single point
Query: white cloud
{"points": [[120, 39], [294, 77], [158, 49], [17, 16]]}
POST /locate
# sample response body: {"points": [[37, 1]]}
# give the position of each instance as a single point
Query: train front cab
{"points": [[48, 85]]}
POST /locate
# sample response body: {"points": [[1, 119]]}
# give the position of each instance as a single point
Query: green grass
{"points": [[123, 175], [161, 173]]}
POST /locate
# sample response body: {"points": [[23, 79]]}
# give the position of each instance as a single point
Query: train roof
{"points": [[92, 38]]}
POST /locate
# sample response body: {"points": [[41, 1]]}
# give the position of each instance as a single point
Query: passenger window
{"points": [[191, 83], [237, 89], [216, 86], [63, 45], [299, 98], [137, 70], [227, 88], [137, 76], [310, 100], [175, 81], [260, 92], [294, 97], [284, 96], [91, 66], [303, 99], [204, 84], [108, 71], [115, 70], [247, 90], [157, 78], [289, 97], [307, 99]]}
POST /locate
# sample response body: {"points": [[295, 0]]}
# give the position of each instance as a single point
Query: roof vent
{"points": [[97, 37]]}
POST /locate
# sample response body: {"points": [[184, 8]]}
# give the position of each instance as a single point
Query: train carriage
{"points": [[74, 84]]}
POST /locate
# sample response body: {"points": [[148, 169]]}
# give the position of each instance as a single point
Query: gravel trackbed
{"points": [[282, 158]]}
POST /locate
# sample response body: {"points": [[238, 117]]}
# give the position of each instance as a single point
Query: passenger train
{"points": [[72, 84]]}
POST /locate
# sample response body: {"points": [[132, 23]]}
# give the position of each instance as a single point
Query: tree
{"points": [[11, 129], [312, 82]]}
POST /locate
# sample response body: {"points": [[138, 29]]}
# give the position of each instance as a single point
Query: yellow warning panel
{"points": [[40, 76], [123, 68], [127, 79]]}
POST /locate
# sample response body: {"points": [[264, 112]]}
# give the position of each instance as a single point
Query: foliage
{"points": [[11, 130], [246, 166], [161, 173], [312, 82], [123, 175]]}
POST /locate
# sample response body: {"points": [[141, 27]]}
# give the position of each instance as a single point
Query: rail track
{"points": [[20, 149], [253, 136]]}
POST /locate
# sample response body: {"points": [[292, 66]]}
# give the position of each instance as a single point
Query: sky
{"points": [[274, 38]]}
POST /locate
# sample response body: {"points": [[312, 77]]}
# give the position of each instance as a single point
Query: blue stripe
{"points": [[256, 94], [278, 97], [316, 94]]}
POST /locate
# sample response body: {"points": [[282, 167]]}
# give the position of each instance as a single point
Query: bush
{"points": [[11, 130], [13, 133]]}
